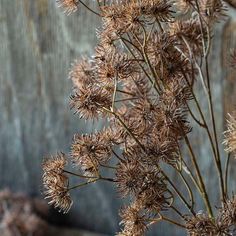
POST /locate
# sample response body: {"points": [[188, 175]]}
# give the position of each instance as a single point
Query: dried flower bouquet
{"points": [[141, 79]]}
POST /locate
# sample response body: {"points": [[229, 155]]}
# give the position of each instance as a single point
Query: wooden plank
{"points": [[37, 45]]}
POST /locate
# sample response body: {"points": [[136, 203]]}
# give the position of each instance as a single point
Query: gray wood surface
{"points": [[37, 45]]}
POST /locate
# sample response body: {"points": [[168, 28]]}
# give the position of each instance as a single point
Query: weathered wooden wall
{"points": [[37, 45]]}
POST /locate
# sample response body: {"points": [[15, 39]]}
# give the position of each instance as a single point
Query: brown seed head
{"points": [[157, 9], [201, 225], [133, 220], [227, 213], [69, 6], [212, 10], [189, 35], [55, 163], [185, 5], [82, 73], [88, 151], [89, 102], [56, 182]]}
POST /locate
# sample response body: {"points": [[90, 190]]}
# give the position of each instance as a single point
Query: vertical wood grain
{"points": [[37, 45]]}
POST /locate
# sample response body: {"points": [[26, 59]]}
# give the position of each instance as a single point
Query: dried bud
{"points": [[90, 103], [227, 213], [189, 34], [133, 220], [69, 6], [82, 73], [156, 9], [212, 10], [113, 65], [89, 151], [129, 177], [185, 5], [201, 225], [56, 182]]}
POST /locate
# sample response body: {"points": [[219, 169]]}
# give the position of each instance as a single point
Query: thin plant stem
{"points": [[125, 99], [107, 179], [166, 177], [117, 156], [177, 212], [226, 174], [200, 179], [204, 125], [83, 184], [114, 94], [78, 175], [125, 92], [124, 125], [193, 116], [190, 192], [99, 4], [152, 70], [143, 69], [178, 193], [145, 56], [173, 222], [91, 177], [216, 157], [108, 167], [206, 49], [163, 218], [214, 129], [189, 172], [159, 25], [88, 8], [130, 42]]}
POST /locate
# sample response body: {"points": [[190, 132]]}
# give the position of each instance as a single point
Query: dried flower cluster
{"points": [[91, 151], [56, 182], [70, 6], [224, 223], [141, 80]]}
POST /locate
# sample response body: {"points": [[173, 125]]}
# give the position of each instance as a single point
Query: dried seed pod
{"points": [[201, 225], [133, 220], [89, 151], [56, 182]]}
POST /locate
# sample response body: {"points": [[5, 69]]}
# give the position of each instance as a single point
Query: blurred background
{"points": [[38, 43]]}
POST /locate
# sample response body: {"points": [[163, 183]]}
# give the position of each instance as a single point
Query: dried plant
{"points": [[141, 80], [20, 215]]}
